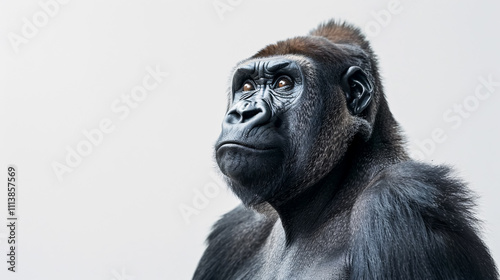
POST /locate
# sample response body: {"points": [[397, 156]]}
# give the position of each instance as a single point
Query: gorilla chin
{"points": [[253, 172]]}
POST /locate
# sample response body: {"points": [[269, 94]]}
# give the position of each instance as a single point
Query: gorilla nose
{"points": [[249, 113]]}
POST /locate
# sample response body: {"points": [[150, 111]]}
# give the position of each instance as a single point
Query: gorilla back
{"points": [[310, 147]]}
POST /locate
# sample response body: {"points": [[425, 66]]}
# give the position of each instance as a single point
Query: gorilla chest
{"points": [[300, 260]]}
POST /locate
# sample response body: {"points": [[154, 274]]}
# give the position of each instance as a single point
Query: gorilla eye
{"points": [[248, 86], [284, 83]]}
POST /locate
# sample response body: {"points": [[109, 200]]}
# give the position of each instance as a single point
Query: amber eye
{"points": [[248, 87], [284, 82]]}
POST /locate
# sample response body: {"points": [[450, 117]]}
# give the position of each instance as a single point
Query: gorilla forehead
{"points": [[272, 64], [265, 66], [316, 48]]}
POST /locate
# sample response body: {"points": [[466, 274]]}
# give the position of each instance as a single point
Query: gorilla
{"points": [[328, 189]]}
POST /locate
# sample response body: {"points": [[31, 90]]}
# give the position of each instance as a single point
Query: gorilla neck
{"points": [[310, 210], [307, 211]]}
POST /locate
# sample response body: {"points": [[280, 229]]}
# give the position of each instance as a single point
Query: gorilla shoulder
{"points": [[416, 211], [235, 238]]}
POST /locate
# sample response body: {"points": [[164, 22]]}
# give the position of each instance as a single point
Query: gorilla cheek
{"points": [[248, 166]]}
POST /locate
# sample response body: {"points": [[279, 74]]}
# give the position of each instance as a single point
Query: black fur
{"points": [[329, 191]]}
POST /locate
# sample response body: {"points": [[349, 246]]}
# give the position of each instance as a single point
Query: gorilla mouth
{"points": [[238, 144], [247, 163]]}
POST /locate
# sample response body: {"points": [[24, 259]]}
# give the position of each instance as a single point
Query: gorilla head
{"points": [[295, 108]]}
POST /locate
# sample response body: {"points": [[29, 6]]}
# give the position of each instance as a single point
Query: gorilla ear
{"points": [[358, 89]]}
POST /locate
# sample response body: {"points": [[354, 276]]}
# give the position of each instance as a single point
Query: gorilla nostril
{"points": [[249, 114], [233, 118]]}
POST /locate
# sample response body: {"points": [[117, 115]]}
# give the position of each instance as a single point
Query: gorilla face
{"points": [[255, 147], [283, 132]]}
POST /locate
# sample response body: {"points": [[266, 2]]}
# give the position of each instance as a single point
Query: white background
{"points": [[116, 215]]}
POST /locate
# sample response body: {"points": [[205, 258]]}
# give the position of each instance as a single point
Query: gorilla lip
{"points": [[240, 144]]}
